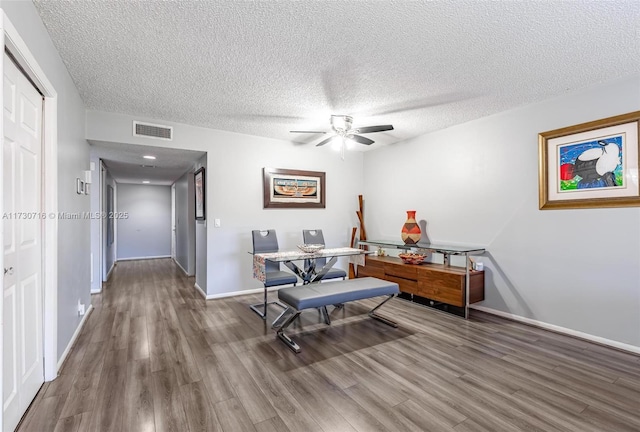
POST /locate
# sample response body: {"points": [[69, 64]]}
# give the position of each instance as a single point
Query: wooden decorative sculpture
{"points": [[352, 270], [363, 233]]}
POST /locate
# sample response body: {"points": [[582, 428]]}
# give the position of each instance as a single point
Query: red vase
{"points": [[411, 230]]}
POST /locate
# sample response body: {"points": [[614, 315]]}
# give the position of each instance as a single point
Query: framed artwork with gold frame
{"points": [[590, 165]]}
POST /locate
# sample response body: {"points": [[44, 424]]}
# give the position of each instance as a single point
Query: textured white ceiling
{"points": [[266, 67], [127, 165]]}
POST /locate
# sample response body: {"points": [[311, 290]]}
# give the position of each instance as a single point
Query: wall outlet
{"points": [[80, 308]]}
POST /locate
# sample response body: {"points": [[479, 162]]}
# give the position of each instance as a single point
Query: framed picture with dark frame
{"points": [[590, 165], [200, 196], [287, 188]]}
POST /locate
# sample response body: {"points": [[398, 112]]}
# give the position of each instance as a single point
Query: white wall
{"points": [[144, 221], [477, 184], [185, 224], [234, 192], [73, 159]]}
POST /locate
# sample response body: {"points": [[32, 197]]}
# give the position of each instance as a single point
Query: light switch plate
{"points": [[216, 223]]}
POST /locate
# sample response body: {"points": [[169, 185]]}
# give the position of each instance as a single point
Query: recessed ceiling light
{"points": [[149, 157], [145, 181]]}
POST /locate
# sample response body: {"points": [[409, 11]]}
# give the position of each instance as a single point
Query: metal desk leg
{"points": [[466, 286], [317, 277], [297, 271]]}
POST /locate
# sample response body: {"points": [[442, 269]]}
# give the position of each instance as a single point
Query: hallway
{"points": [[154, 356]]}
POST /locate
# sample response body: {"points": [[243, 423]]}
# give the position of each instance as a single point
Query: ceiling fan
{"points": [[342, 126]]}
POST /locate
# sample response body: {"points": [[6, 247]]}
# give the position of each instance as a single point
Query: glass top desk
{"points": [[308, 273], [441, 248]]}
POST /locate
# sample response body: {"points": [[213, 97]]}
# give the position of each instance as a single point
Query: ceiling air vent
{"points": [[149, 130]]}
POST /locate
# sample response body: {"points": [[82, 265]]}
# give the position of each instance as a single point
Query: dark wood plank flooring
{"points": [[154, 356]]}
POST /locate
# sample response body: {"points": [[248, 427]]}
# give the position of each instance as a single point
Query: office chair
{"points": [[265, 242], [316, 237]]}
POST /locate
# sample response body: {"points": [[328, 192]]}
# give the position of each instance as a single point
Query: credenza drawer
{"points": [[450, 295], [433, 281], [405, 271], [372, 271], [405, 285], [438, 279]]}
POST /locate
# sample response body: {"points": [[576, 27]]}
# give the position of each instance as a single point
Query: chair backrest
{"points": [[314, 237], [265, 241]]}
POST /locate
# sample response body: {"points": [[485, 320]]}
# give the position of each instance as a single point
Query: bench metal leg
{"points": [[375, 316], [325, 314], [286, 339], [323, 310], [276, 322], [263, 313]]}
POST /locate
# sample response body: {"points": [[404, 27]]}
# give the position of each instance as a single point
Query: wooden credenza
{"points": [[436, 282]]}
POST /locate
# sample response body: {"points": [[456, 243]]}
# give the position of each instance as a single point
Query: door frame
{"points": [[13, 43], [173, 221], [103, 210]]}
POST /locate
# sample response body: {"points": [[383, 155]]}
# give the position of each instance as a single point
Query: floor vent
{"points": [[149, 130]]}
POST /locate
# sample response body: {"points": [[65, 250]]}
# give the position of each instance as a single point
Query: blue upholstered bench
{"points": [[318, 295]]}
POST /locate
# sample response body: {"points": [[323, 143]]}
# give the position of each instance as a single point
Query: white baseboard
{"points": [[235, 293], [97, 290], [563, 330], [144, 258], [73, 338], [241, 293], [200, 290], [181, 268], [230, 294], [110, 270]]}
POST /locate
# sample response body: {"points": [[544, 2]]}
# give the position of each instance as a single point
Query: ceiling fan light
{"points": [[338, 122], [336, 143], [349, 144], [341, 122]]}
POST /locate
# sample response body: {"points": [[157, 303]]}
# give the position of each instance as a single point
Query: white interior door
{"points": [[22, 370]]}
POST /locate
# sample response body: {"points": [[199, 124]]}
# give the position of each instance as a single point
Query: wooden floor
{"points": [[154, 356]]}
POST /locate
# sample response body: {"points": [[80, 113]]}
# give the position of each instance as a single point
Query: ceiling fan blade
{"points": [[360, 139], [326, 141], [315, 132], [370, 129]]}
